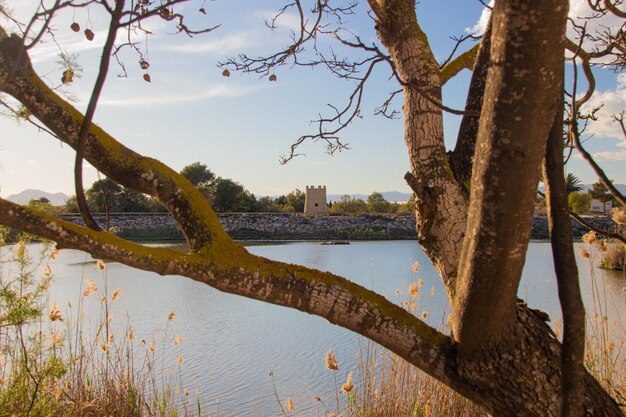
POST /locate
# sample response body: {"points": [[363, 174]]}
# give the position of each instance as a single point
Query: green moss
{"points": [[465, 60]]}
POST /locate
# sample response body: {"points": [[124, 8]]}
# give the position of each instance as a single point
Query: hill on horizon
{"points": [[56, 199]]}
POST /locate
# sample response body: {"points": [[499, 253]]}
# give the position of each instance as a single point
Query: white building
{"points": [[598, 207]]}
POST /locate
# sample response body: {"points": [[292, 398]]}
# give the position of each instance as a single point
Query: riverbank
{"points": [[296, 226]]}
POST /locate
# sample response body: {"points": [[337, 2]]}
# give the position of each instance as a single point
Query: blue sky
{"points": [[240, 126]]}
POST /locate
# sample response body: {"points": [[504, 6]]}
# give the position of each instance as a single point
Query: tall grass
{"points": [[385, 385], [54, 363], [606, 337], [388, 386]]}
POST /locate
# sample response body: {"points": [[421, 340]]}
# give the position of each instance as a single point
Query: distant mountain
{"points": [[56, 199], [394, 196]]}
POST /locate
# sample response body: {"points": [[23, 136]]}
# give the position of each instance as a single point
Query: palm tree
{"points": [[572, 183]]}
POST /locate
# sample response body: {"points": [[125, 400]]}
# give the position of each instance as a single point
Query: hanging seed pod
{"points": [[144, 64], [75, 27], [89, 34], [68, 76], [146, 77], [273, 77], [202, 10], [165, 13], [226, 73]]}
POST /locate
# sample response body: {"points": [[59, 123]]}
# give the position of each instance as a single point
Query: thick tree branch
{"points": [[230, 268], [463, 61], [189, 208], [462, 156]]}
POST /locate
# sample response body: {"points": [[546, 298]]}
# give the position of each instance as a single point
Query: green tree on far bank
{"points": [[106, 196], [268, 205], [376, 203], [579, 202], [296, 199], [347, 204], [230, 196], [198, 174], [44, 204]]}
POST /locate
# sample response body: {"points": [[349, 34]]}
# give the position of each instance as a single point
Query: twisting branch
{"points": [[140, 12], [607, 6], [268, 64], [358, 70], [47, 14], [573, 132], [342, 118], [457, 42], [383, 109], [575, 138]]}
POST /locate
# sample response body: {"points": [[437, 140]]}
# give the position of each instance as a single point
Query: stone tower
{"points": [[315, 201]]}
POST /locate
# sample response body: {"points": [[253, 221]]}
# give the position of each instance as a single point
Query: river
{"points": [[230, 344]]}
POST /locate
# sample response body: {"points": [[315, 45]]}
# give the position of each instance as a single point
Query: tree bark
{"points": [[440, 205], [518, 110], [461, 159], [573, 352]]}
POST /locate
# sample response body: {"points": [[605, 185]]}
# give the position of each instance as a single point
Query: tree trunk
{"points": [[520, 101], [440, 203]]}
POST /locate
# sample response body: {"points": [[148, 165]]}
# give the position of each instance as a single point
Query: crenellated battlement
{"points": [[315, 200]]}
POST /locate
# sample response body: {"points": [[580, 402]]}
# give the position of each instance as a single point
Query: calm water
{"points": [[231, 344]]}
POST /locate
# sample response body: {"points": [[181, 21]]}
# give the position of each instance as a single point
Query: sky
{"points": [[239, 126]]}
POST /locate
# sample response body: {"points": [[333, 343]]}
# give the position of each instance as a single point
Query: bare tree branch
{"points": [[91, 109], [607, 234], [573, 131]]}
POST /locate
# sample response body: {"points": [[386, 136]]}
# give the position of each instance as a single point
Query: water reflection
{"points": [[231, 344]]}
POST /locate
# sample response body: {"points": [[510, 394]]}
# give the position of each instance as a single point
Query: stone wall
{"points": [[281, 226]]}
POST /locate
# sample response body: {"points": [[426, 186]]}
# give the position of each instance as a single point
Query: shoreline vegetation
{"points": [[284, 227], [51, 364], [298, 226]]}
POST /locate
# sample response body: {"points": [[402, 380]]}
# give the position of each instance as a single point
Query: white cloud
{"points": [[579, 11], [481, 25], [177, 97], [287, 20], [612, 102], [73, 43], [610, 156], [229, 43]]}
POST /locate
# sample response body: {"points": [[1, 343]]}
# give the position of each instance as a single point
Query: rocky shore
{"points": [[295, 226]]}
